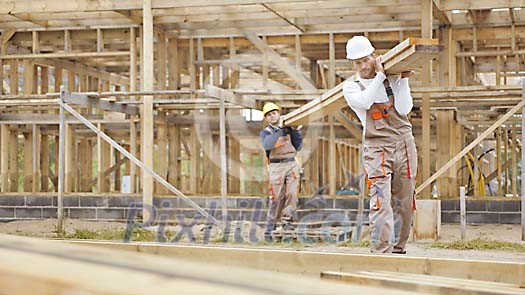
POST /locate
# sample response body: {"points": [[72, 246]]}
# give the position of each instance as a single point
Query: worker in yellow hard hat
{"points": [[390, 159], [281, 145]]}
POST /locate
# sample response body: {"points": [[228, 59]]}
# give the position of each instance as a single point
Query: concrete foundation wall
{"points": [[116, 208]]}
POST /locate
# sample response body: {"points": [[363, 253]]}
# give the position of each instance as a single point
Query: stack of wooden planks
{"points": [[407, 55]]}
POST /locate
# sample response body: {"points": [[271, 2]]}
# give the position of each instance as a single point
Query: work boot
{"points": [[399, 251]]}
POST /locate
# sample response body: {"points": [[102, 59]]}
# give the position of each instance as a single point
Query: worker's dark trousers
{"points": [[284, 181]]}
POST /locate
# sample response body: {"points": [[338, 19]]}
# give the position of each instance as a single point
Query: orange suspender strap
{"points": [[383, 163], [408, 162], [414, 201]]}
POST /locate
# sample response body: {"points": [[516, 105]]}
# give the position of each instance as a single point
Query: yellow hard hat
{"points": [[268, 107]]}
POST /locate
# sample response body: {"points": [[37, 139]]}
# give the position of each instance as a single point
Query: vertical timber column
{"points": [[498, 160], [4, 157], [265, 66], [174, 154], [44, 137], [69, 159], [514, 181], [332, 167], [132, 124], [162, 150], [234, 157], [426, 32], [147, 107], [29, 74], [13, 159], [194, 159], [44, 161], [36, 145], [235, 73], [103, 159], [173, 64]]}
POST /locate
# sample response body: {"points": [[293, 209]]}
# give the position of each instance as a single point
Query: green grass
{"points": [[364, 244], [479, 244], [138, 234]]}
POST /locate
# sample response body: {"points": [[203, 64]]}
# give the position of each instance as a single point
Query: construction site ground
{"points": [[422, 248]]}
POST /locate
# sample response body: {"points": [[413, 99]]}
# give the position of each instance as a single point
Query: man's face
{"points": [[273, 117], [365, 66]]}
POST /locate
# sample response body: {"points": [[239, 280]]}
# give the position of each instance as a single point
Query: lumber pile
{"points": [[407, 55]]}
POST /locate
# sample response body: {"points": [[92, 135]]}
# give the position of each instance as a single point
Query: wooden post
{"points": [[85, 160], [174, 154], [62, 150], [69, 159], [35, 165], [103, 153], [235, 74], [13, 76], [191, 66], [522, 169], [514, 146], [426, 32], [265, 66], [331, 66], [147, 108], [13, 160], [161, 61], [100, 40], [132, 124], [173, 64], [58, 79], [44, 161], [332, 158], [4, 157], [133, 150], [195, 163], [162, 150], [505, 158], [234, 158], [298, 54], [498, 160], [224, 168], [462, 212]]}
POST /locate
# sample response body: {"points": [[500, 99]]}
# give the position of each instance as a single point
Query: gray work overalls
{"points": [[390, 164], [284, 180]]}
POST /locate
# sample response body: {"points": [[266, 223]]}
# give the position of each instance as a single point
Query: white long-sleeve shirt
{"points": [[361, 101]]}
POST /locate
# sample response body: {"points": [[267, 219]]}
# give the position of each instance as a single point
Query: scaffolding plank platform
{"points": [[407, 55]]}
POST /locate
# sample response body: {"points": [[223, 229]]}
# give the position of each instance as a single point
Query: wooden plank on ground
{"points": [[52, 267], [423, 283]]}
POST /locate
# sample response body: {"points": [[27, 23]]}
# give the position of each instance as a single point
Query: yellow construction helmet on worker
{"points": [[358, 47], [270, 106]]}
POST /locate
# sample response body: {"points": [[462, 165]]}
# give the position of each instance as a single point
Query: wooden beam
{"points": [[106, 54], [421, 282], [83, 69], [280, 62], [228, 96], [84, 100]]}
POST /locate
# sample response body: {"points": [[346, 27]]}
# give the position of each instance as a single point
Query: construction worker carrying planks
{"points": [[390, 158], [281, 144]]}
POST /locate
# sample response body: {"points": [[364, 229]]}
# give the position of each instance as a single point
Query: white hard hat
{"points": [[358, 47]]}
